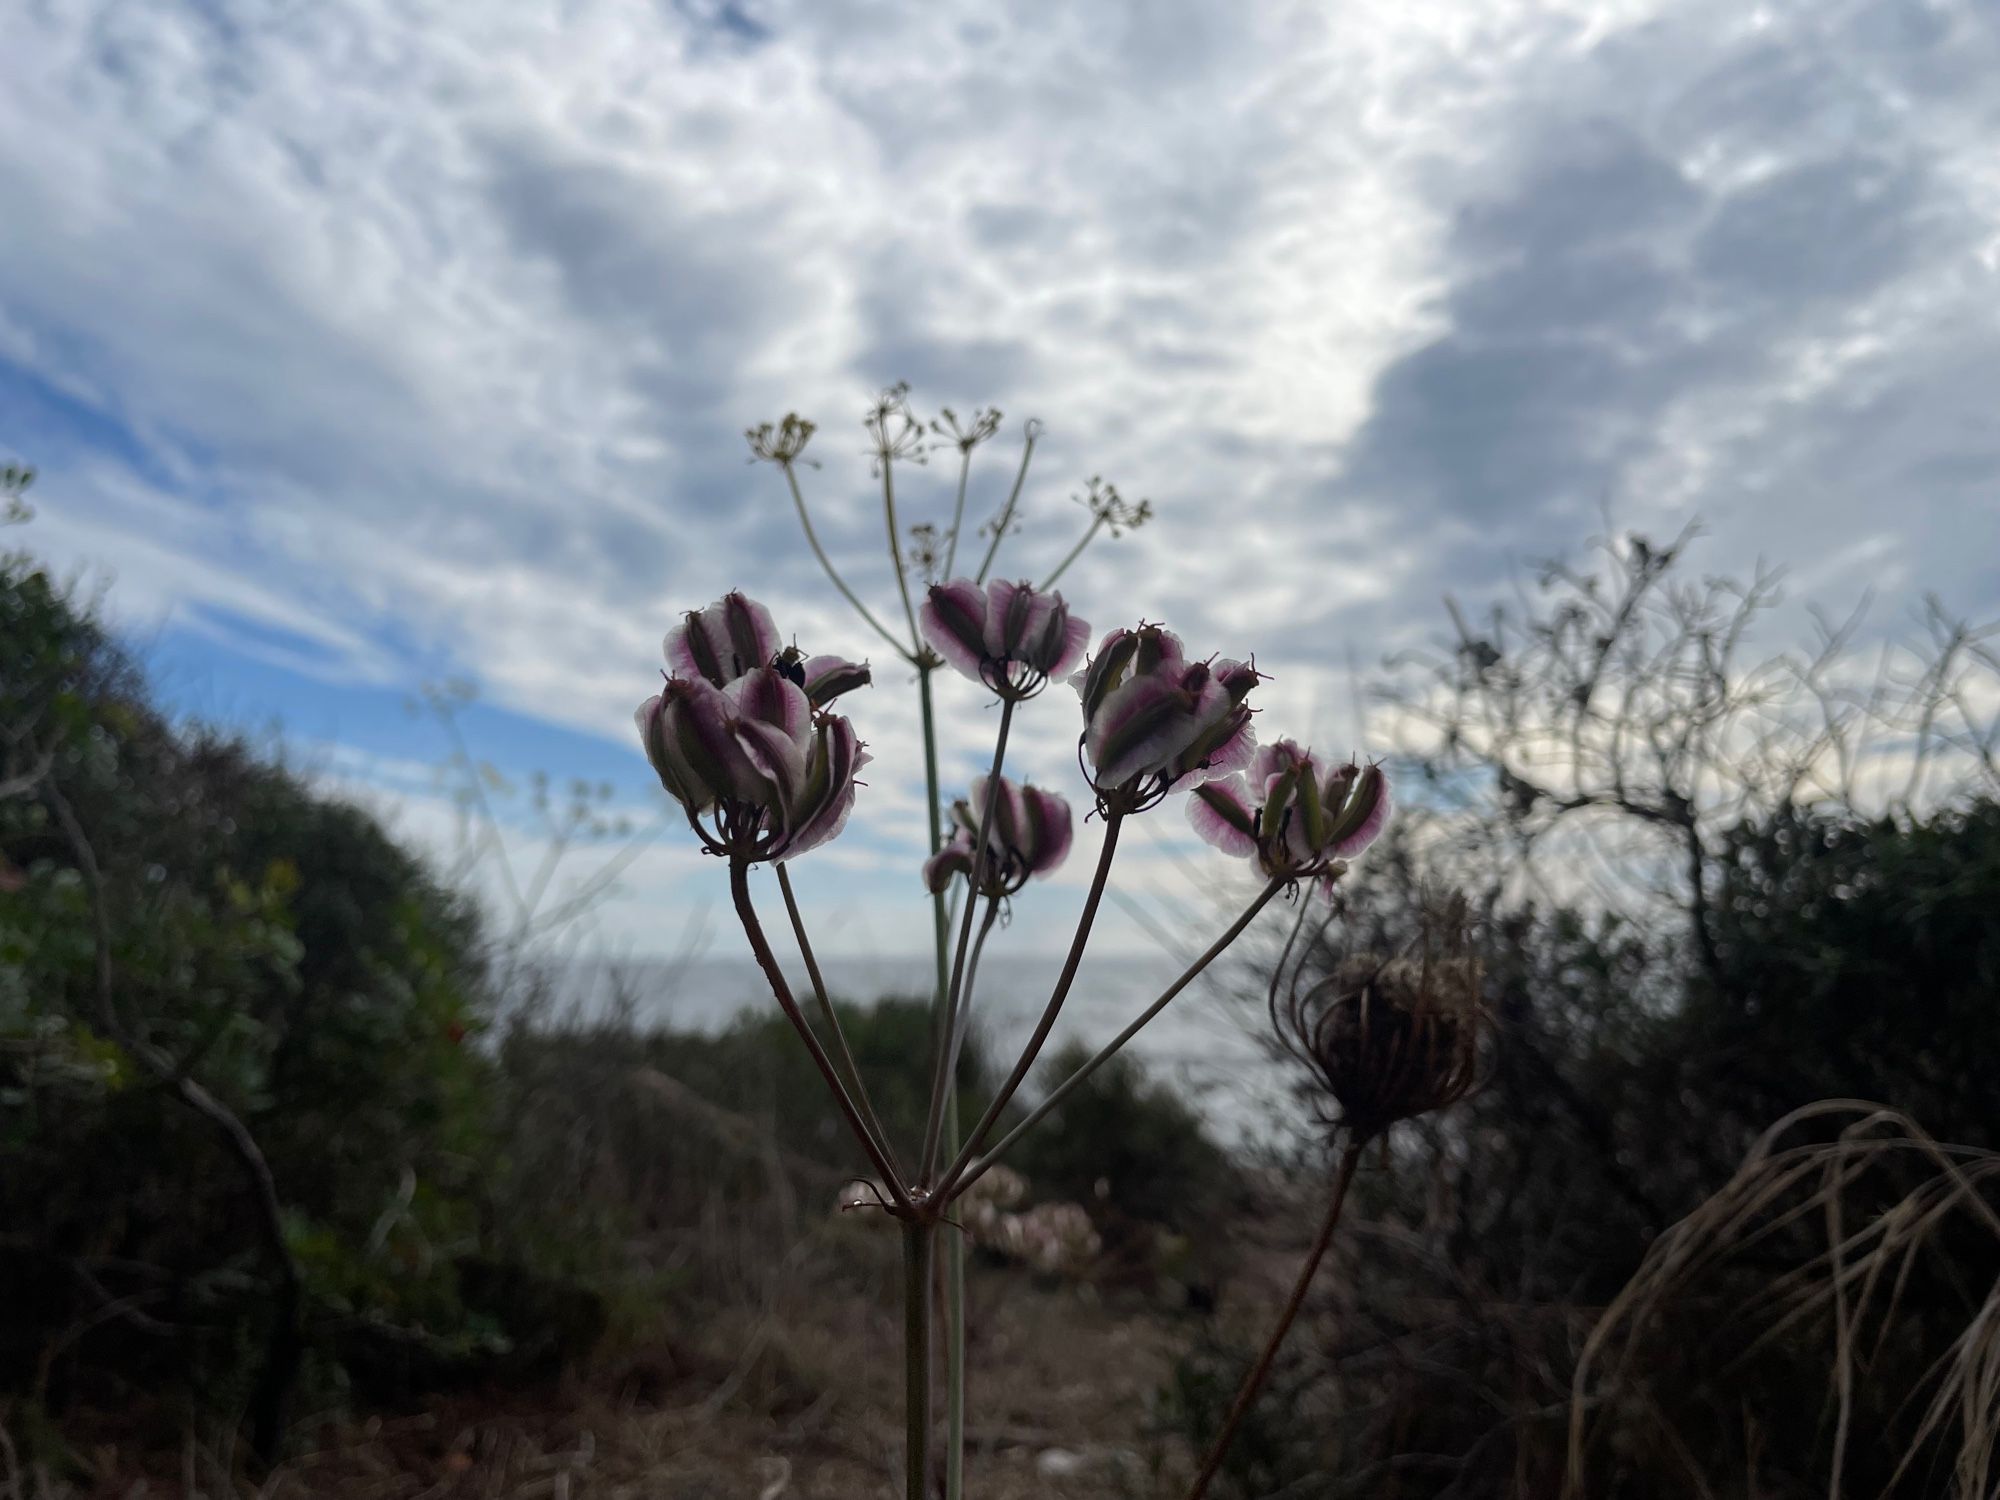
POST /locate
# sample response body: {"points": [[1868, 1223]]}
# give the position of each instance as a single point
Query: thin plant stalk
{"points": [[954, 1250], [957, 510], [961, 1016], [954, 1349], [1006, 516], [1246, 1394], [954, 1261], [1089, 533], [1064, 980], [832, 573], [760, 946], [919, 1240], [1110, 1049], [859, 1084], [896, 545], [981, 856]]}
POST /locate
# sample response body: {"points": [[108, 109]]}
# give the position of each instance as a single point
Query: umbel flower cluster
{"points": [[743, 737], [750, 736]]}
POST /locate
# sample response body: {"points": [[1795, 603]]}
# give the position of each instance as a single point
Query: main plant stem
{"points": [[918, 1239], [1246, 1395], [954, 1250], [981, 858]]}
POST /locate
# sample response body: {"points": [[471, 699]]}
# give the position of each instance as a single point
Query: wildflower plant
{"points": [[745, 736], [1377, 1040]]}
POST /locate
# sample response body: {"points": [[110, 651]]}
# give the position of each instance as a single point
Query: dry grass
{"points": [[1867, 1205], [801, 1398]]}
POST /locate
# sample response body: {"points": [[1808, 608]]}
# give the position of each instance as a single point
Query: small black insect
{"points": [[790, 664]]}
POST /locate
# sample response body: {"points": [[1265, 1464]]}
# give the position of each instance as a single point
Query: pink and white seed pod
{"points": [[1010, 636], [761, 769], [1029, 838], [1152, 718], [1294, 816], [719, 644]]}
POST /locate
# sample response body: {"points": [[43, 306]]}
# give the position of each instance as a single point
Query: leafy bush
{"points": [[1759, 932], [212, 976]]}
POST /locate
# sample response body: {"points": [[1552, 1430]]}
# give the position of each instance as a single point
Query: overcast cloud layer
{"points": [[372, 341]]}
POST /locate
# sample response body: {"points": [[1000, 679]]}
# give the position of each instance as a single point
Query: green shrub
{"points": [[275, 948]]}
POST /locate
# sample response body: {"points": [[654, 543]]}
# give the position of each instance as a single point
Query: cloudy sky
{"points": [[365, 344]]}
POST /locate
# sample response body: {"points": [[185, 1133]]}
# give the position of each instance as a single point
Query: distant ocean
{"points": [[1206, 1041]]}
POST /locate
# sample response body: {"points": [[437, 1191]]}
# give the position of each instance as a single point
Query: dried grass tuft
{"points": [[1868, 1204]]}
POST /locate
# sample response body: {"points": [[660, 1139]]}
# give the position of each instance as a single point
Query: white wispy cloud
{"points": [[427, 330]]}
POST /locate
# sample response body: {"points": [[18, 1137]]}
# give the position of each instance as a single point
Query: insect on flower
{"points": [[743, 741]]}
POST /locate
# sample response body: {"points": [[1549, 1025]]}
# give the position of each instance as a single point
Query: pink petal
{"points": [[827, 677], [748, 635], [775, 763], [1352, 841], [1016, 614], [1076, 635], [1049, 816], [843, 757], [1221, 814], [953, 619], [770, 697], [1273, 760], [1142, 725]]}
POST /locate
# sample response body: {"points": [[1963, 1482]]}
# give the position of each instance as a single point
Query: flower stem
{"points": [[1091, 902], [825, 562], [896, 550], [1246, 1395], [940, 1077], [954, 1250], [1090, 531], [961, 1013], [859, 1084], [1105, 1053], [957, 511], [918, 1240], [739, 890], [1006, 516]]}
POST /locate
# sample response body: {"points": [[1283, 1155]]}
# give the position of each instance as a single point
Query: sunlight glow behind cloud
{"points": [[385, 340]]}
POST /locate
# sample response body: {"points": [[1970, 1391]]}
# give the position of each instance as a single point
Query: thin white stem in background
{"points": [[825, 562]]}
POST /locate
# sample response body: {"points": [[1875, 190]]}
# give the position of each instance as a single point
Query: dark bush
{"points": [[210, 972]]}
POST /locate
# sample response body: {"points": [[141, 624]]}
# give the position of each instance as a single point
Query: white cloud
{"points": [[428, 330]]}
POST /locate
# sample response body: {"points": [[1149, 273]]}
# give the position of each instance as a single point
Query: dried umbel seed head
{"points": [[1387, 1040], [779, 442]]}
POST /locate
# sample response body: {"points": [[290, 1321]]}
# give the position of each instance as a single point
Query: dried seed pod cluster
{"points": [[1387, 1040]]}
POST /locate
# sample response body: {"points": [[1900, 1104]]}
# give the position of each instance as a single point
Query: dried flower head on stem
{"points": [[781, 442], [1388, 1039], [894, 431]]}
